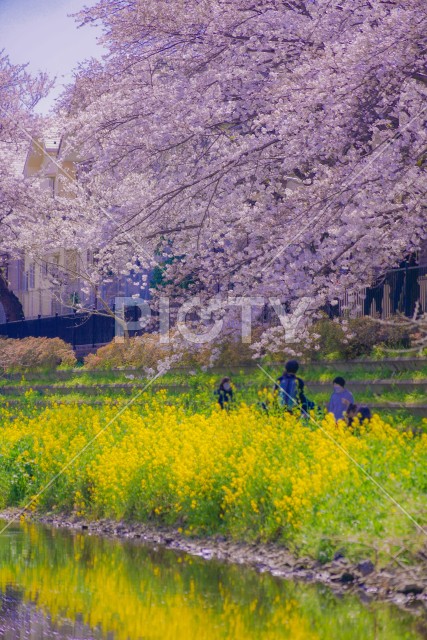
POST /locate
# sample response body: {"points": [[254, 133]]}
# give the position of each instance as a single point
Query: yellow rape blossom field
{"points": [[241, 473]]}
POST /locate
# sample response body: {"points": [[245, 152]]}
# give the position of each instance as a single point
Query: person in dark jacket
{"points": [[354, 411], [224, 392], [291, 388]]}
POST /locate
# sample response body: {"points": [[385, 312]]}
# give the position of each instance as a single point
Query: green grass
{"points": [[200, 387]]}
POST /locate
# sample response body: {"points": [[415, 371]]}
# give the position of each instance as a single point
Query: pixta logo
{"points": [[135, 315]]}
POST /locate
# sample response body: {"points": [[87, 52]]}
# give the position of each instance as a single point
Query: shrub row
{"points": [[34, 354]]}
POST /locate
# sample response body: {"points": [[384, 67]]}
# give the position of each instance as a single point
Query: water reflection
{"points": [[59, 585]]}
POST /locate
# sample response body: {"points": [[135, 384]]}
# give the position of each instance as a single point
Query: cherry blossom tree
{"points": [[19, 200], [275, 148], [19, 94]]}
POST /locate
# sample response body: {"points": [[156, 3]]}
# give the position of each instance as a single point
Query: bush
{"points": [[232, 351], [131, 353], [354, 338], [147, 353], [367, 335], [363, 335], [327, 340], [35, 354]]}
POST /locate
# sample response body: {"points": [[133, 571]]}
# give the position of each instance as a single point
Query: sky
{"points": [[40, 33]]}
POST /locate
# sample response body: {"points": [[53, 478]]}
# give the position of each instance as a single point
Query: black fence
{"points": [[76, 329], [400, 291]]}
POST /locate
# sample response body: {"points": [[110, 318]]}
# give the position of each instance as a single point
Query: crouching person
{"points": [[362, 412], [224, 393]]}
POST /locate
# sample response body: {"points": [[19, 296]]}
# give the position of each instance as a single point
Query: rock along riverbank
{"points": [[405, 586]]}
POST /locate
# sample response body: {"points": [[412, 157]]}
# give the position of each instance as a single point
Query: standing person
{"points": [[340, 399], [224, 392], [291, 388]]}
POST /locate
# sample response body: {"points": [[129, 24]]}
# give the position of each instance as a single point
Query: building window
{"points": [[56, 306], [54, 266], [32, 276], [51, 182]]}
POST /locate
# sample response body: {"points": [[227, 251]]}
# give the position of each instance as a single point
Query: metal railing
{"points": [[76, 329], [399, 291]]}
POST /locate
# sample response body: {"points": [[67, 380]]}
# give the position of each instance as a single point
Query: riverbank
{"points": [[402, 585], [95, 587]]}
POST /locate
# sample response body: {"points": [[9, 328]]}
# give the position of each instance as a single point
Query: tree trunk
{"points": [[12, 306]]}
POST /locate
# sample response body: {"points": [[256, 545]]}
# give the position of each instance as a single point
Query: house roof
{"points": [[39, 148], [51, 140]]}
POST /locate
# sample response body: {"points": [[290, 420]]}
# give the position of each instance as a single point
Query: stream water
{"points": [[63, 585]]}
